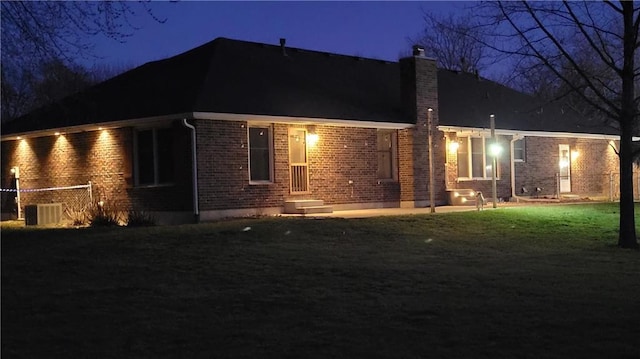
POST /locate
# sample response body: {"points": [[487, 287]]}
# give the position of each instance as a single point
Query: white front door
{"points": [[298, 164], [565, 168]]}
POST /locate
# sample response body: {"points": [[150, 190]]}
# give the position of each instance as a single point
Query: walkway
{"points": [[365, 213]]}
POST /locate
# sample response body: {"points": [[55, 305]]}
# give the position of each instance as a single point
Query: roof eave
{"points": [[486, 131], [205, 116], [95, 126], [299, 120]]}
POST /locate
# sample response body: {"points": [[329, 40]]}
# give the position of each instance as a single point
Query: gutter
{"points": [[194, 166]]}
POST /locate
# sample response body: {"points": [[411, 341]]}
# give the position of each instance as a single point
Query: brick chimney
{"points": [[419, 91]]}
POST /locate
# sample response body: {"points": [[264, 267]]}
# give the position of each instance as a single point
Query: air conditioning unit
{"points": [[42, 214]]}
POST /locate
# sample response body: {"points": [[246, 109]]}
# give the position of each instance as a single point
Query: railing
{"points": [[299, 178], [612, 189]]}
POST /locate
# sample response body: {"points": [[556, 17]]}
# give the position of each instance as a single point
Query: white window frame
{"points": [[485, 158], [524, 151], [269, 129], [394, 155], [136, 160]]}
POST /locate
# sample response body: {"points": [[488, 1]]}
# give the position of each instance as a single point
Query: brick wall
{"points": [[342, 154], [103, 157], [345, 154], [223, 172], [589, 170]]}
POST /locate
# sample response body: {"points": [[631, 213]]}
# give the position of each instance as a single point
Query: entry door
{"points": [[565, 168], [298, 165]]}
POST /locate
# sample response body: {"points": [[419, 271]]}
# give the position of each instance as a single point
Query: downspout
{"points": [[513, 166], [194, 166]]}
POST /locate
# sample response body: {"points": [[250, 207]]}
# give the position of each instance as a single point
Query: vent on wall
{"points": [[42, 214]]}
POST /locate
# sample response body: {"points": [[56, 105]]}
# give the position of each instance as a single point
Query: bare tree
{"points": [[454, 40], [37, 34], [592, 48], [52, 81]]}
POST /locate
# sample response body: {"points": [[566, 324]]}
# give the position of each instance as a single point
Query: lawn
{"points": [[530, 282]]}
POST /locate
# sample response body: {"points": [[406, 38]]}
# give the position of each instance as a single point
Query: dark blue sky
{"points": [[369, 29]]}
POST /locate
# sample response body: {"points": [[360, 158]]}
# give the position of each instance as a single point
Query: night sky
{"points": [[368, 29]]}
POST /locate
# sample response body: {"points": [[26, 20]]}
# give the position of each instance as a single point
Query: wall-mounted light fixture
{"points": [[312, 136], [453, 146], [574, 154]]}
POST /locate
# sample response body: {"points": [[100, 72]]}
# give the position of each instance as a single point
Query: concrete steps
{"points": [[462, 197], [306, 206]]}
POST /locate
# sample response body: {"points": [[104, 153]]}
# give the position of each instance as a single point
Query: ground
{"points": [[524, 282]]}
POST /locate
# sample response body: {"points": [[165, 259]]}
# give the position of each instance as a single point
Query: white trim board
{"points": [[147, 121], [299, 120], [208, 116], [486, 131]]}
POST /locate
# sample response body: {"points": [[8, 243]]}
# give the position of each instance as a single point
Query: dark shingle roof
{"points": [[231, 76], [466, 100]]}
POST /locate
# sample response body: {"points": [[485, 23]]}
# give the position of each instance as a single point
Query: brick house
{"points": [[236, 128]]}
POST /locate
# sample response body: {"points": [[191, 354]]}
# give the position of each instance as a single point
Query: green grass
{"points": [[512, 283]]}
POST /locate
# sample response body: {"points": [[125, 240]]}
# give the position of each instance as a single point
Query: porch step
{"points": [[306, 206], [462, 197], [570, 196]]}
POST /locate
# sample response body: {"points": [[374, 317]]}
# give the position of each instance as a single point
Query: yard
{"points": [[542, 281]]}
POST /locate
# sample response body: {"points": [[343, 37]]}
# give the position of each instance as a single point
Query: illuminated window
{"points": [[260, 154], [387, 163], [153, 156], [474, 160], [518, 150]]}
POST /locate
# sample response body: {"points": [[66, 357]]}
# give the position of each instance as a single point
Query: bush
{"points": [[78, 216], [104, 213], [139, 218], [77, 210]]}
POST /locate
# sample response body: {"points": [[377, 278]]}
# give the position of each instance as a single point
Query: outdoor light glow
{"points": [[496, 149], [456, 194], [453, 146], [312, 139], [472, 193], [463, 200], [57, 133], [18, 138], [575, 154], [564, 163], [104, 135]]}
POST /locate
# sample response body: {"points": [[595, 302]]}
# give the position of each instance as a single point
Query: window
{"points": [[474, 160], [153, 156], [260, 154], [518, 150], [387, 163]]}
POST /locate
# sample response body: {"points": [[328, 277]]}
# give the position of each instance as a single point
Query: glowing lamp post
{"points": [[495, 151], [432, 203]]}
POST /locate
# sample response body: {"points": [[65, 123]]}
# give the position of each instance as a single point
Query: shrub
{"points": [[139, 218], [77, 210], [78, 216], [104, 213]]}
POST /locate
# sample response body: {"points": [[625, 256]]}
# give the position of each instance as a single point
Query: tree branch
{"points": [[573, 63]]}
